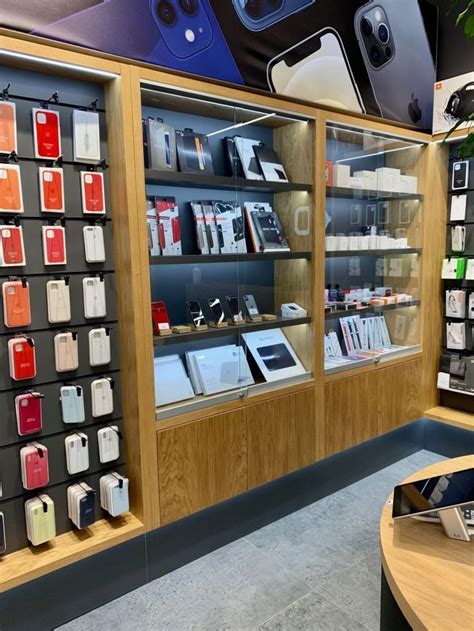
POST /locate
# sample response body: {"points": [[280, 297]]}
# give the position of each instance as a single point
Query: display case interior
{"points": [[373, 247], [229, 216]]}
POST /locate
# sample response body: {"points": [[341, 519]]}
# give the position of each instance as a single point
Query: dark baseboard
{"points": [[83, 586]]}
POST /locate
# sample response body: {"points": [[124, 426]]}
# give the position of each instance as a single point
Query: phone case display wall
{"points": [[456, 372], [230, 239], [373, 247], [60, 394]]}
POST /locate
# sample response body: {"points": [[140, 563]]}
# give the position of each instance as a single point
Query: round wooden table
{"points": [[430, 576]]}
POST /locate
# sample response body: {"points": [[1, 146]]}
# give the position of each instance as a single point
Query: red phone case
{"points": [[16, 303], [176, 229], [22, 358], [161, 235], [93, 200], [47, 134], [13, 252], [29, 413], [51, 182], [54, 245], [36, 468], [160, 316]]}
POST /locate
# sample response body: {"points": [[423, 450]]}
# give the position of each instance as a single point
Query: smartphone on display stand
{"points": [[216, 309], [316, 69], [251, 307], [196, 314], [235, 311]]}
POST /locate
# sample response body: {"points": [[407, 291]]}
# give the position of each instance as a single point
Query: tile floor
{"points": [[318, 568]]}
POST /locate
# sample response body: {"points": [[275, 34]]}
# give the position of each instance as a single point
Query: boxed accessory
{"points": [[456, 335], [458, 239], [114, 494], [99, 347], [59, 300], [108, 440], [470, 308], [102, 395], [94, 245], [210, 227], [453, 268], [77, 453], [458, 208], [72, 403], [222, 368], [86, 135], [273, 354], [40, 519], [22, 358], [8, 137], [292, 310], [368, 179], [270, 164], [16, 303], [169, 226], [194, 152], [12, 250], [94, 297], [92, 192], [270, 232], [172, 384], [469, 269], [66, 353], [388, 179], [455, 303], [200, 227], [54, 245], [460, 175], [453, 100], [246, 150], [11, 196], [51, 183], [46, 133], [230, 227], [154, 248], [29, 413], [341, 174], [34, 466], [81, 500], [233, 159], [161, 145]]}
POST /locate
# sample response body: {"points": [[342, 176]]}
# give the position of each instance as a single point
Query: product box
{"points": [[368, 178], [355, 182], [341, 174], [328, 174], [453, 99], [388, 179], [230, 227], [169, 226], [200, 228], [409, 184], [210, 227], [152, 227], [161, 145]]}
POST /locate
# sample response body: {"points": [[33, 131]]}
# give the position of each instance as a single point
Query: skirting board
{"points": [[85, 585]]}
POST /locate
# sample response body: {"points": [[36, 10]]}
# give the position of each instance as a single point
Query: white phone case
{"points": [[94, 245], [94, 297], [59, 301], [77, 453], [102, 397], [108, 440], [99, 347], [72, 404], [66, 352]]}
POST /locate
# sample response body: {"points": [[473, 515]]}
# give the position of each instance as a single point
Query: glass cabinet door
{"points": [[373, 247]]}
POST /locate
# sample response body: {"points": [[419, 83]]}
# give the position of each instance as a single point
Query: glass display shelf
{"points": [[229, 193], [373, 248]]}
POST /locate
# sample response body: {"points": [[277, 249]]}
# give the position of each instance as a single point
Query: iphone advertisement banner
{"points": [[376, 56]]}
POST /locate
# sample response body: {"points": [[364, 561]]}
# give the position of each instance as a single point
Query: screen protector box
{"points": [[453, 100], [169, 226]]}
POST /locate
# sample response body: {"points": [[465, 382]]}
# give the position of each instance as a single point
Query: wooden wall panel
{"points": [[281, 436], [201, 464], [398, 394]]}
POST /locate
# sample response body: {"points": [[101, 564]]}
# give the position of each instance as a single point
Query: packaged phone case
{"points": [[94, 245], [77, 453], [59, 301], [81, 502], [93, 196], [54, 245], [72, 404], [108, 440], [114, 494], [11, 196], [99, 347], [22, 358], [51, 183], [29, 413], [94, 297], [66, 351], [12, 250], [8, 136], [46, 133], [34, 466], [40, 519], [16, 303], [102, 396], [86, 134]]}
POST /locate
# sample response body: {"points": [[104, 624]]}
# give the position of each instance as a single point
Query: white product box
{"points": [[341, 174], [451, 101], [388, 179], [369, 179], [355, 182], [408, 184]]}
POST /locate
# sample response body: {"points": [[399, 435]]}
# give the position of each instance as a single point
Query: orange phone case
{"points": [[11, 198], [16, 303], [7, 127]]}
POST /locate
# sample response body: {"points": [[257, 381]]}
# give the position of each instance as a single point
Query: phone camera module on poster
{"points": [[166, 12], [189, 6]]}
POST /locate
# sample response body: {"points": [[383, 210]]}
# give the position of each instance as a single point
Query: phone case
{"points": [[3, 538], [54, 245], [72, 404], [16, 303], [93, 196], [86, 135], [11, 196], [99, 347], [77, 453], [46, 133], [66, 353], [12, 251], [108, 440], [81, 502], [29, 413], [102, 397], [114, 494], [8, 136], [460, 177], [34, 466], [94, 245], [40, 519], [58, 297], [94, 297], [51, 182], [22, 358]]}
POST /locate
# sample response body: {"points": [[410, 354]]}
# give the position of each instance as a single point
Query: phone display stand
{"points": [[268, 317], [181, 328], [201, 327], [218, 325], [454, 524], [254, 320], [164, 332], [238, 322]]}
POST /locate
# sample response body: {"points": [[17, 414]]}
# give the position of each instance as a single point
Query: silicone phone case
{"points": [[12, 252], [99, 347], [66, 352], [102, 397], [29, 413], [51, 183], [54, 245], [77, 453], [72, 404], [58, 298], [8, 137], [22, 358], [40, 519], [93, 196], [34, 466], [94, 245], [11, 196], [16, 303], [94, 297], [108, 440], [47, 133]]}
